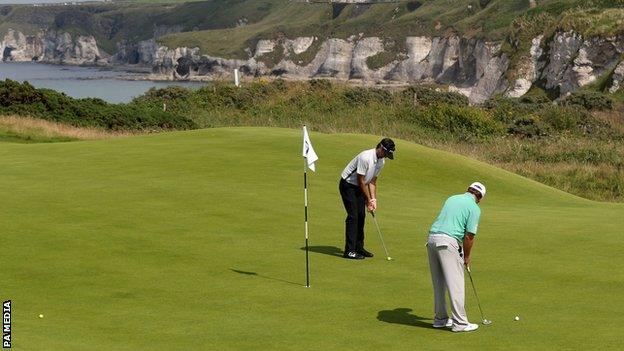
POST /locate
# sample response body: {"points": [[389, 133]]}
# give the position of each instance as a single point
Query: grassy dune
{"points": [[192, 240]]}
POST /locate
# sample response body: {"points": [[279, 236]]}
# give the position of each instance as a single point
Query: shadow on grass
{"points": [[403, 316], [326, 250], [263, 276]]}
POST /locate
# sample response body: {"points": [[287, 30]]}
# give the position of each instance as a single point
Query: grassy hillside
{"points": [[393, 21], [185, 241], [206, 23]]}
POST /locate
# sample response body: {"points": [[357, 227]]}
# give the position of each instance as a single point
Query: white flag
{"points": [[308, 150]]}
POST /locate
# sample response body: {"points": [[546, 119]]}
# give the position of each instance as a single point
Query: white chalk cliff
{"points": [[474, 67]]}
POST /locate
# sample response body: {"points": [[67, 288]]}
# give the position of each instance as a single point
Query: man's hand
{"points": [[468, 242], [372, 205]]}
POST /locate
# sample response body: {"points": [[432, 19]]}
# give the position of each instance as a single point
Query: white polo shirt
{"points": [[365, 163]]}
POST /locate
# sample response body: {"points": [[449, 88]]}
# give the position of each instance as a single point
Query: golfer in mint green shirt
{"points": [[448, 246]]}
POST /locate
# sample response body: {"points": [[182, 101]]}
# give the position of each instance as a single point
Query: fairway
{"points": [[193, 241]]}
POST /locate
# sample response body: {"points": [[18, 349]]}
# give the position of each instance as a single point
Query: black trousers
{"points": [[355, 204]]}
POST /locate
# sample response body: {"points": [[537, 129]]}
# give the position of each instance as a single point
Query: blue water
{"points": [[82, 82]]}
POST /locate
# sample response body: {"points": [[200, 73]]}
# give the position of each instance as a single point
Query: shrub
{"points": [[527, 127], [426, 96], [363, 96], [169, 93], [535, 96], [590, 100], [477, 122], [510, 110], [580, 122], [24, 99], [320, 84]]}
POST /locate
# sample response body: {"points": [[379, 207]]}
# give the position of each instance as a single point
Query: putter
{"points": [[381, 237], [484, 320]]}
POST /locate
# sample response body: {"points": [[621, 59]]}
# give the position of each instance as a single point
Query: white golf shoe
{"points": [[467, 328], [448, 324]]}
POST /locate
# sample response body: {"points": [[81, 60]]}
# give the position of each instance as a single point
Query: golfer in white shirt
{"points": [[358, 189]]}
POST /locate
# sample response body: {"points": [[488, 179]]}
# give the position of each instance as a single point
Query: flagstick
{"points": [[305, 196]]}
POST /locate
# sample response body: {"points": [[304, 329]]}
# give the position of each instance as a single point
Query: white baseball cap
{"points": [[478, 187]]}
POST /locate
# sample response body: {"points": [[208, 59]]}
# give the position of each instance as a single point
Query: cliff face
{"points": [[569, 62], [51, 47], [473, 67]]}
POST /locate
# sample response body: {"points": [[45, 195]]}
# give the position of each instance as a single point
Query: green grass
{"points": [[143, 243], [292, 18], [13, 137]]}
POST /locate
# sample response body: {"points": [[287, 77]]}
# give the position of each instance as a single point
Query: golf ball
{"points": [[40, 316], [516, 318], [389, 258]]}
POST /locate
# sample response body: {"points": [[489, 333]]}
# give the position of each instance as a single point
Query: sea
{"points": [[83, 82]]}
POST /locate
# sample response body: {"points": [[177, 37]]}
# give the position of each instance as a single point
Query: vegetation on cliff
{"points": [[227, 28]]}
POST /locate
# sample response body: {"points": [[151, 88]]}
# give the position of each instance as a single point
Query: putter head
{"points": [[486, 322]]}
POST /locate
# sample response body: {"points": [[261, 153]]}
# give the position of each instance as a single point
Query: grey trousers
{"points": [[447, 273]]}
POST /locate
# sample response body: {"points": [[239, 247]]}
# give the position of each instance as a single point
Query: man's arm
{"points": [[372, 188], [364, 187], [468, 242], [367, 193]]}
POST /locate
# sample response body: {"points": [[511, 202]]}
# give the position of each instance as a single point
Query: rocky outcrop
{"points": [[363, 50], [618, 78], [573, 61], [51, 47], [336, 59], [528, 69], [15, 46], [474, 67], [298, 45]]}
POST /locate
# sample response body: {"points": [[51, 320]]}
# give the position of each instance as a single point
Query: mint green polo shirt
{"points": [[460, 214]]}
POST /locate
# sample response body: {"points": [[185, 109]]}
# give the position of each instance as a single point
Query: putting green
{"points": [[192, 241]]}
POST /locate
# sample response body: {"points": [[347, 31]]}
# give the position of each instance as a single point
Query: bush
{"points": [[169, 93], [527, 127], [477, 122], [535, 96], [567, 119], [355, 96], [320, 84], [590, 100], [425, 96], [24, 99]]}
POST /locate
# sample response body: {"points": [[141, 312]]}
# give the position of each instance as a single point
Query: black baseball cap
{"points": [[388, 146]]}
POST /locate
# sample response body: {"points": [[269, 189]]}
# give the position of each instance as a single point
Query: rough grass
{"points": [[33, 130]]}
